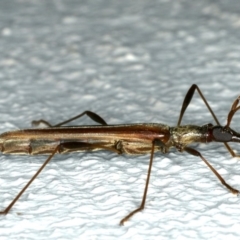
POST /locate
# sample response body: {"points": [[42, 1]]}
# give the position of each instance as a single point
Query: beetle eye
{"points": [[221, 134]]}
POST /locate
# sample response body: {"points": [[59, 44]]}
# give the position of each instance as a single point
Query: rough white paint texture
{"points": [[129, 62]]}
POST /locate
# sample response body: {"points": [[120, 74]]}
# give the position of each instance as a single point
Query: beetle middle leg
{"points": [[155, 142]]}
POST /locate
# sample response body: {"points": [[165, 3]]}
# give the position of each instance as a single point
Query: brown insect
{"points": [[127, 138]]}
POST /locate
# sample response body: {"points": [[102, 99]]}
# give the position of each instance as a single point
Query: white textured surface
{"points": [[129, 62]]}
